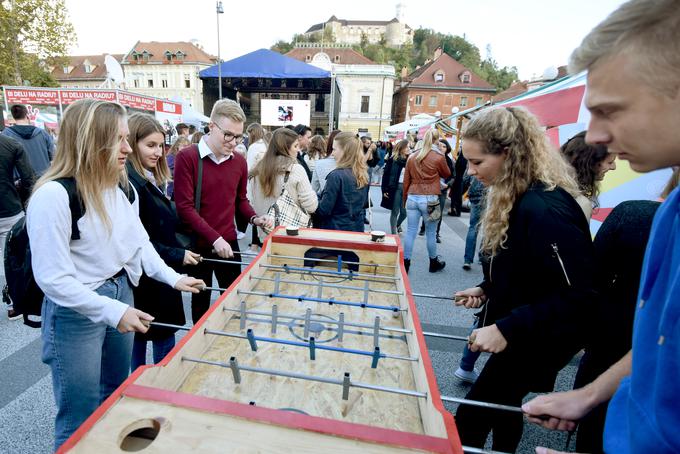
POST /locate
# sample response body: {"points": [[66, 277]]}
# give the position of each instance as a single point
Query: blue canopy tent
{"points": [[265, 74]]}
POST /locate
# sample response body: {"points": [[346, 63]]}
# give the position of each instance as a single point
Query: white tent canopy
{"points": [[414, 123], [190, 116]]}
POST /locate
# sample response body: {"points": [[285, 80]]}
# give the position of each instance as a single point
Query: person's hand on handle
{"points": [[133, 320], [264, 221], [190, 284], [558, 411], [470, 298], [223, 249], [488, 339], [191, 258]]}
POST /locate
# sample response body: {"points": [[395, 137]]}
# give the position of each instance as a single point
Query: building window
{"points": [[479, 101], [88, 68], [187, 81], [463, 101], [364, 104], [337, 58], [319, 103], [168, 56], [466, 78], [308, 58], [149, 83], [145, 55], [164, 83], [65, 68], [419, 100], [179, 55], [433, 101], [439, 77], [135, 83]]}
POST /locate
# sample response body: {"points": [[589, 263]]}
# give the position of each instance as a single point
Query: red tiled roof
{"points": [[348, 56], [157, 51], [453, 70], [515, 89], [77, 62]]}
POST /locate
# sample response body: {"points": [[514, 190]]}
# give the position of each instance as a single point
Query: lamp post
{"points": [[219, 10]]}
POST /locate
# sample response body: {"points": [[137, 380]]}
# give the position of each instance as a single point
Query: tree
{"points": [[33, 31], [282, 47], [500, 78]]}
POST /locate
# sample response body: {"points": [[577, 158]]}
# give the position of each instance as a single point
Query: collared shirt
{"points": [[204, 150]]}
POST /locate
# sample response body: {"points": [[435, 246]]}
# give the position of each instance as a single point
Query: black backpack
{"points": [[21, 289]]}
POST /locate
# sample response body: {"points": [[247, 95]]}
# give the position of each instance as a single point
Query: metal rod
{"points": [[233, 364], [477, 403], [344, 262], [236, 262], [252, 339], [320, 284], [330, 301], [341, 326], [168, 325], [470, 450], [439, 297], [320, 320], [275, 315], [445, 336], [350, 274]]}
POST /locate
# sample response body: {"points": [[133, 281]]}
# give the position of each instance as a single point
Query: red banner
{"points": [[168, 107], [32, 96], [71, 96], [137, 101]]}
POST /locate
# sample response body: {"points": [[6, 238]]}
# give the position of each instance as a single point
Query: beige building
{"points": [[167, 70], [395, 32], [365, 87], [82, 71]]}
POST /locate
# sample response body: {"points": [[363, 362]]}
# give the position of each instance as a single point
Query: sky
{"points": [[529, 34]]}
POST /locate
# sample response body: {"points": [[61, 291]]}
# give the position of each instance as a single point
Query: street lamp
{"points": [[219, 10]]}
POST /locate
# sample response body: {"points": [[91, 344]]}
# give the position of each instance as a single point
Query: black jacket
{"points": [[390, 180], [540, 287], [13, 157], [160, 221], [341, 206]]}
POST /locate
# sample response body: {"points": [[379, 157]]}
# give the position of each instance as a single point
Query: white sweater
{"points": [[68, 271]]}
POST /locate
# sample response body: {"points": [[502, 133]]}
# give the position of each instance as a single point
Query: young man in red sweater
{"points": [[223, 196]]}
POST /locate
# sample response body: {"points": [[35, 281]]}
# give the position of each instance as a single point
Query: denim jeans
{"points": [[442, 204], [467, 362], [416, 207], [471, 239], [398, 213], [161, 347], [88, 360]]}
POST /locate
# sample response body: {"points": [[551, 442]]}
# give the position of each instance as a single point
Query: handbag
{"points": [[434, 211], [187, 240], [285, 211]]}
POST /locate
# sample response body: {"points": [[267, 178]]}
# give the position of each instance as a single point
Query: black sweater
{"points": [[540, 286], [13, 158]]}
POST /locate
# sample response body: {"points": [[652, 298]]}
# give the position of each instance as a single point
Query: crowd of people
{"points": [[151, 211]]}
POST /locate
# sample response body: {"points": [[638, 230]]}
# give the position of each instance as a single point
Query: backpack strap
{"points": [[75, 204]]}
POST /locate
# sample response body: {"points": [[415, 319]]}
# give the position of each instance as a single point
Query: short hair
{"points": [[181, 127], [649, 30], [302, 129], [19, 111], [227, 108]]}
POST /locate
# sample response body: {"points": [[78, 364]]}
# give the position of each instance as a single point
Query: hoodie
{"points": [[643, 415], [38, 144]]}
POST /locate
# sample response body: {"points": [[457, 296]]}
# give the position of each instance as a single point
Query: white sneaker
{"points": [[466, 376], [240, 235]]}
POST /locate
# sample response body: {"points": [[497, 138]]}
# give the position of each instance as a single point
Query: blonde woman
{"points": [[88, 317], [538, 289], [257, 147], [277, 167], [342, 202], [425, 169]]}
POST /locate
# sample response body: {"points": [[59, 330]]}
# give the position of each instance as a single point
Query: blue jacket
{"points": [[644, 414], [342, 204], [38, 144]]}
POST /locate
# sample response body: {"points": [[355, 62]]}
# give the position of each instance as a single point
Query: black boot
{"points": [[407, 264], [422, 229], [436, 265]]}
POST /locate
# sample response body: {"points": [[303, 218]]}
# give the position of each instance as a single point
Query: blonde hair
{"points": [[87, 150], [530, 158], [227, 108], [317, 147], [352, 157], [647, 29], [142, 126], [255, 132], [275, 161], [181, 142], [431, 136]]}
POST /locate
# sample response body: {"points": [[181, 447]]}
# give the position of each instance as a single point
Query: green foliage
{"points": [[425, 42], [33, 31]]}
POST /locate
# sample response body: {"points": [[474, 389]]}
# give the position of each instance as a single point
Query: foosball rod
{"points": [[372, 265], [329, 285]]}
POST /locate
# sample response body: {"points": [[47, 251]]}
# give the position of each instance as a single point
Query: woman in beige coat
{"points": [[267, 177]]}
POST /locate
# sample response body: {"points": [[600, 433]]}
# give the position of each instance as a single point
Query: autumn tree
{"points": [[35, 34]]}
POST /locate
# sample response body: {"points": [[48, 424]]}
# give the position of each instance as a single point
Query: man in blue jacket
{"points": [[37, 142], [633, 94]]}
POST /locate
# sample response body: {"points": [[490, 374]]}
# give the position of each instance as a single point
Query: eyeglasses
{"points": [[229, 136]]}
